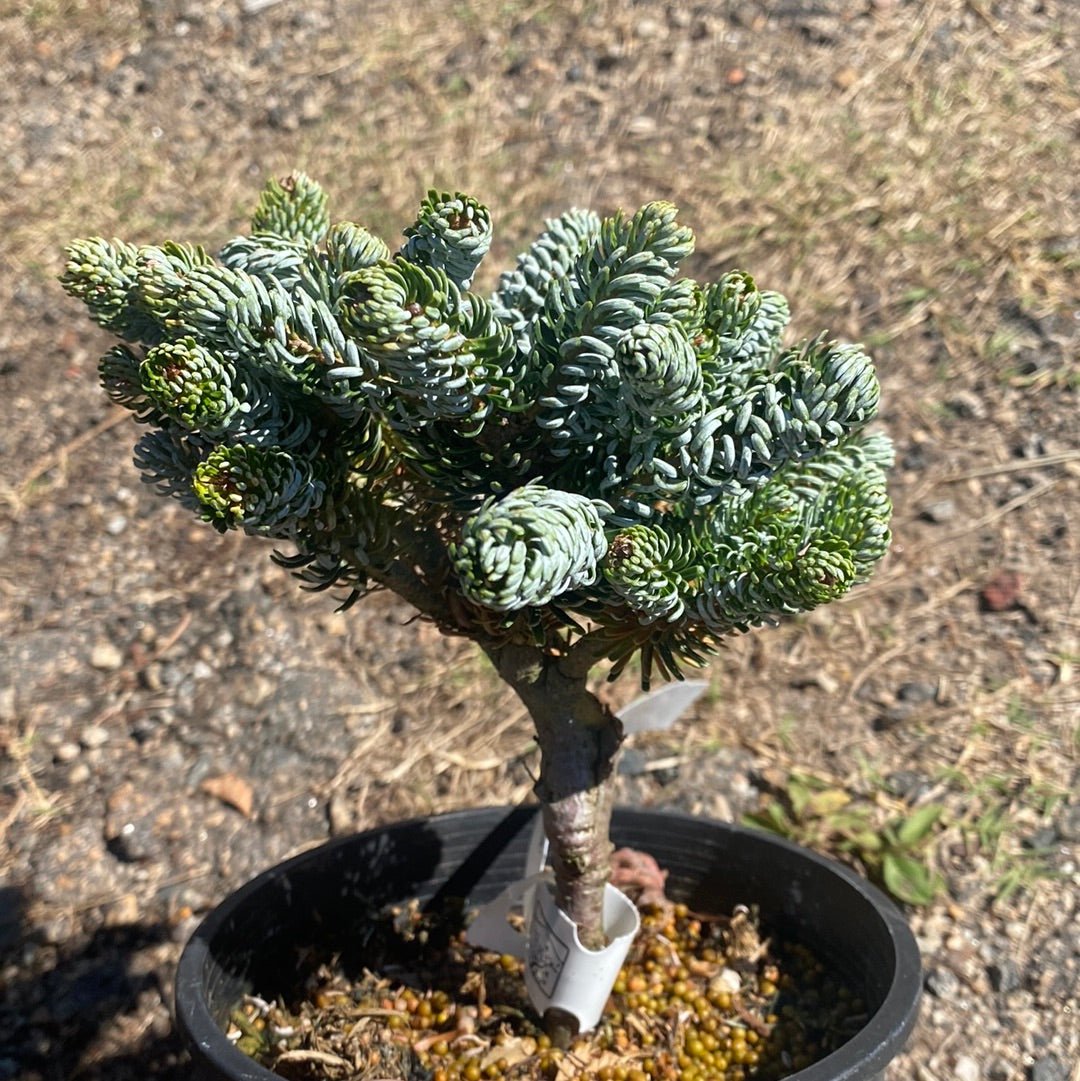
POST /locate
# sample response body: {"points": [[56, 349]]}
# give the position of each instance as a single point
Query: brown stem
{"points": [[579, 740]]}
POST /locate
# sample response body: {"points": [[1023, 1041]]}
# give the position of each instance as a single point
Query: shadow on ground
{"points": [[88, 1012]]}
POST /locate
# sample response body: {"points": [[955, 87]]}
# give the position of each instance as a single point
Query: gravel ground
{"points": [[175, 715]]}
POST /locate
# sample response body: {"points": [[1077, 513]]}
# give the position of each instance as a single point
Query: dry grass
{"points": [[905, 172], [906, 175]]}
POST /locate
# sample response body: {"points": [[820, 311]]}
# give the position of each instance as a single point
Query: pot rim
{"points": [[870, 1049]]}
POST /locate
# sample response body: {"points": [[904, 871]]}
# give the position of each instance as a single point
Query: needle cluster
{"points": [[603, 446]]}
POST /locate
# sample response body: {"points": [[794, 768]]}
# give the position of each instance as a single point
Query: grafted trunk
{"points": [[575, 789], [579, 739]]}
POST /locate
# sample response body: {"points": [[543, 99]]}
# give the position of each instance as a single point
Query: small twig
{"points": [[762, 1028], [175, 635], [17, 750], [323, 1057], [112, 710], [356, 755], [883, 658], [404, 767], [478, 765], [671, 762], [1016, 466], [587, 651], [370, 709], [59, 456], [996, 28], [1004, 226], [13, 813]]}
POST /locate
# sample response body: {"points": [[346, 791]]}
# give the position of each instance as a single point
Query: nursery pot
{"points": [[250, 943]]}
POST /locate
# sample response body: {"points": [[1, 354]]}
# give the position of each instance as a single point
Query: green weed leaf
{"points": [[772, 818], [909, 879], [917, 827], [799, 794], [826, 803]]}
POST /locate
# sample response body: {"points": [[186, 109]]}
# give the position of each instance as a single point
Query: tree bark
{"points": [[579, 740]]}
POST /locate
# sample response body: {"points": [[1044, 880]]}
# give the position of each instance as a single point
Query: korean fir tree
{"points": [[601, 461]]}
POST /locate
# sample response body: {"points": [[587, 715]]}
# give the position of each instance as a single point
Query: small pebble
{"points": [[966, 1069], [55, 930], [913, 458], [942, 982], [917, 692], [959, 941], [123, 911], [183, 929], [78, 774], [939, 512], [907, 784], [7, 704], [341, 813], [967, 405], [931, 931], [143, 729], [151, 677], [93, 736], [893, 715], [116, 525], [1049, 1068], [66, 752], [1068, 825], [200, 670], [1004, 976], [1001, 592], [106, 657], [1042, 838]]}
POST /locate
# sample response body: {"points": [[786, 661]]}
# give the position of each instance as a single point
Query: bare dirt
{"points": [[175, 714]]}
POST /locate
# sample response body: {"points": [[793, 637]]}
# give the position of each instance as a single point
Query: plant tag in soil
{"points": [[559, 971]]}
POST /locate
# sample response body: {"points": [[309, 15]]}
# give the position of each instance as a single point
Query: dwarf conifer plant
{"points": [[602, 461]]}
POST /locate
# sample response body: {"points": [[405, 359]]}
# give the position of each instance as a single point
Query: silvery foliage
{"points": [[601, 440]]}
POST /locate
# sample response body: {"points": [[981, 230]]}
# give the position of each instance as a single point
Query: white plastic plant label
{"points": [[491, 928], [659, 710], [559, 971]]}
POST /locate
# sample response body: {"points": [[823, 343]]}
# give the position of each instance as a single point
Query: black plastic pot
{"points": [[250, 942]]}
